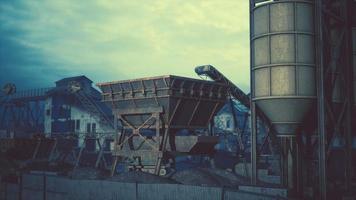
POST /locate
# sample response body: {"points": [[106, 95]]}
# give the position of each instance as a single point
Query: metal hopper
{"points": [[163, 105]]}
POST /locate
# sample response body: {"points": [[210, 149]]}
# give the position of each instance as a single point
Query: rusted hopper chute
{"points": [[165, 105]]}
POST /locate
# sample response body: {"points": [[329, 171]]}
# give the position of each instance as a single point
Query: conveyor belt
{"points": [[214, 74], [236, 92]]}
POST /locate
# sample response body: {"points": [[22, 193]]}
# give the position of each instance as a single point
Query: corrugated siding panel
{"points": [[264, 190], [242, 195], [118, 191], [32, 186], [177, 192], [57, 188], [83, 189], [32, 181], [12, 191], [105, 190], [58, 184]]}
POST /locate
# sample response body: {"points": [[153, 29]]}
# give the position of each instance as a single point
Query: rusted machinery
{"points": [[163, 117]]}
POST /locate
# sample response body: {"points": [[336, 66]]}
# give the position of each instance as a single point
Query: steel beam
{"points": [[320, 98], [254, 176], [349, 93]]}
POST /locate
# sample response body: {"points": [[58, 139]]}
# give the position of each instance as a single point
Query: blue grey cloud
{"points": [[42, 41]]}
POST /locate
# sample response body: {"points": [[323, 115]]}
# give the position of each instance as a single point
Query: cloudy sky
{"points": [[44, 40]]}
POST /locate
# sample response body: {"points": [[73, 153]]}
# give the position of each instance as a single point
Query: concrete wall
{"points": [[40, 187]]}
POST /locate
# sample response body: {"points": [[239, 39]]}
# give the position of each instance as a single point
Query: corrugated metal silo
{"points": [[283, 61], [283, 72]]}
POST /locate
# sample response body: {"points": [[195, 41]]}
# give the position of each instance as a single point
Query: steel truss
{"points": [[23, 111], [334, 89], [157, 145]]}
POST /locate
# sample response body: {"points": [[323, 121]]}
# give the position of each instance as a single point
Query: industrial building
{"points": [[66, 111], [292, 137], [57, 110]]}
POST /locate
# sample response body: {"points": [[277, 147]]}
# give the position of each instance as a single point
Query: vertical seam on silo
{"points": [[296, 75], [252, 53], [269, 51]]}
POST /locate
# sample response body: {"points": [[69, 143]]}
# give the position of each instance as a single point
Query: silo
{"points": [[283, 69]]}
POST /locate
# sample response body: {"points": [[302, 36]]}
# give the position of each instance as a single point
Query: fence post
{"points": [[44, 187], [20, 186], [5, 193], [136, 190], [222, 193]]}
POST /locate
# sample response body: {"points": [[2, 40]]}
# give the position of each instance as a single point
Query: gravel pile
{"points": [[209, 177]]}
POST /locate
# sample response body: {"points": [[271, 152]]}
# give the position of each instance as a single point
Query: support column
{"points": [[320, 99], [254, 175]]}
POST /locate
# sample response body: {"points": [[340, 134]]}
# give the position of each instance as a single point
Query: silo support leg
{"points": [[254, 175], [284, 162], [291, 164], [299, 166], [287, 161]]}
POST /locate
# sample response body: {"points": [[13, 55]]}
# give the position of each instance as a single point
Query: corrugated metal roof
{"points": [[74, 78]]}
